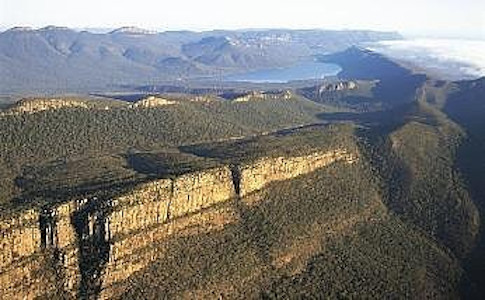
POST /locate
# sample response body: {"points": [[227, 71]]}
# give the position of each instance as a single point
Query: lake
{"points": [[301, 71]]}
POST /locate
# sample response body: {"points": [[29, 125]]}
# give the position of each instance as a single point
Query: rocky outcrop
{"points": [[21, 29], [160, 201], [19, 260], [130, 30], [340, 86], [202, 99], [153, 101], [257, 175], [37, 105], [26, 241], [95, 244], [257, 96]]}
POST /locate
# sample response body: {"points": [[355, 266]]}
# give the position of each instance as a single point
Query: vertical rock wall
{"points": [[26, 244], [155, 210], [101, 243], [19, 244], [255, 176]]}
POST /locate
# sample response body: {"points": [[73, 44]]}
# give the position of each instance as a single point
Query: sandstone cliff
{"points": [[266, 170], [255, 96], [37, 105], [25, 240], [153, 101], [340, 86], [120, 232]]}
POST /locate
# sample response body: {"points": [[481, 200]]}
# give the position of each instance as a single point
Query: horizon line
{"points": [[108, 29]]}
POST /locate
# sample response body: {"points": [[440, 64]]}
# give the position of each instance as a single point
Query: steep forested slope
{"points": [[326, 234], [65, 134], [465, 103]]}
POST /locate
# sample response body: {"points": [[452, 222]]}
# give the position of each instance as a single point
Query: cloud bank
{"points": [[445, 58]]}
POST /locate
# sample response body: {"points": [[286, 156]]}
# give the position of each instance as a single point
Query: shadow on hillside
{"points": [[396, 84], [471, 163], [381, 122], [167, 165], [123, 97], [466, 108]]}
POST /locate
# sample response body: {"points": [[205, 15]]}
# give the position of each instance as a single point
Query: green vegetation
{"points": [[293, 142], [326, 234], [435, 197], [401, 222], [385, 259], [51, 155], [465, 105]]}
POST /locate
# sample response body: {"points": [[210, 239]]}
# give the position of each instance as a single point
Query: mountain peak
{"points": [[132, 31], [54, 28], [20, 29]]}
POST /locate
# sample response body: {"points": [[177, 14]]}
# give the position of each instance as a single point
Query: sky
{"points": [[445, 18]]}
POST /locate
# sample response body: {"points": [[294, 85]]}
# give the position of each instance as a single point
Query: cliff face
{"points": [[255, 176], [153, 101], [94, 244], [20, 241], [258, 96], [340, 86], [37, 105], [27, 242]]}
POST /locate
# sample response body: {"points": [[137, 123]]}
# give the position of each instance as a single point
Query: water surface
{"points": [[301, 71]]}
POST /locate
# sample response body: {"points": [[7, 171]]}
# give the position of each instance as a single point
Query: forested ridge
{"points": [[70, 134], [405, 220]]}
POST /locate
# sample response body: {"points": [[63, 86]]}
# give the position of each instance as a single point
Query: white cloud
{"points": [[450, 58]]}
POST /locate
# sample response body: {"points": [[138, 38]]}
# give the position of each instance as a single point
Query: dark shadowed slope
{"points": [[465, 103], [396, 84]]}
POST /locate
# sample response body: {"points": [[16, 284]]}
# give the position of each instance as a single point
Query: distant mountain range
{"points": [[55, 59]]}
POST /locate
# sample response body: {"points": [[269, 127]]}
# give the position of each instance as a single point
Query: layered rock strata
{"points": [[96, 243]]}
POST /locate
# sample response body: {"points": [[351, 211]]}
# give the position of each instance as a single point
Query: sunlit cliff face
{"points": [[85, 247], [37, 105]]}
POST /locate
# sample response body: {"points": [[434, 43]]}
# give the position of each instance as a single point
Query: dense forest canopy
{"points": [[405, 220]]}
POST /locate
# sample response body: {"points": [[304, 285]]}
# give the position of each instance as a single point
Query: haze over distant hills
{"points": [[61, 59]]}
